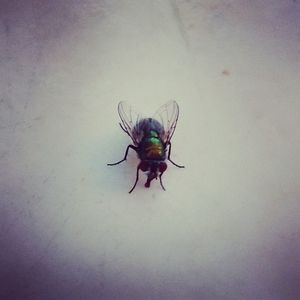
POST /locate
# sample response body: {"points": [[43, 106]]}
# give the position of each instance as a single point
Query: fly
{"points": [[151, 138]]}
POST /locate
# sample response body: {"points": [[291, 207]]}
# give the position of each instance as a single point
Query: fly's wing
{"points": [[167, 115], [130, 122]]}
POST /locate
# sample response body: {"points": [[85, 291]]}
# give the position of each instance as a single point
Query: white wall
{"points": [[228, 225]]}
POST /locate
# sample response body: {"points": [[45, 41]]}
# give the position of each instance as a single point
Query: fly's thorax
{"points": [[152, 147]]}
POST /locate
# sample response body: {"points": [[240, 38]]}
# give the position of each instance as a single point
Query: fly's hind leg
{"points": [[169, 158], [125, 156]]}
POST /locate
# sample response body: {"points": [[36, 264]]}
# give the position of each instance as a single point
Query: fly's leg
{"points": [[137, 177], [161, 184], [162, 168], [125, 156], [169, 154]]}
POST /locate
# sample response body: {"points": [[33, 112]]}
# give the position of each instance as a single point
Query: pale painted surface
{"points": [[228, 226]]}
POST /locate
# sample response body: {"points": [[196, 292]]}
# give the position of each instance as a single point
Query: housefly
{"points": [[151, 138]]}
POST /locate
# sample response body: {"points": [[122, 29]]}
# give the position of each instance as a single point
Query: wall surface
{"points": [[228, 225]]}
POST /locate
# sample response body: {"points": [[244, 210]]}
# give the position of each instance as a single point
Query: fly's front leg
{"points": [[169, 158], [161, 184], [125, 156], [137, 177], [162, 168]]}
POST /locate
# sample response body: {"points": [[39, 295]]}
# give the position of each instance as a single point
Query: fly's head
{"points": [[153, 169]]}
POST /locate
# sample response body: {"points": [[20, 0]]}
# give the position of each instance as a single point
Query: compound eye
{"points": [[144, 166], [162, 167]]}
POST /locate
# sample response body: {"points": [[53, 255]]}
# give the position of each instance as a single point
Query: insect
{"points": [[151, 139]]}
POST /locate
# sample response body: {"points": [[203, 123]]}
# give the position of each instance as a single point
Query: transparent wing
{"points": [[167, 115], [130, 122]]}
